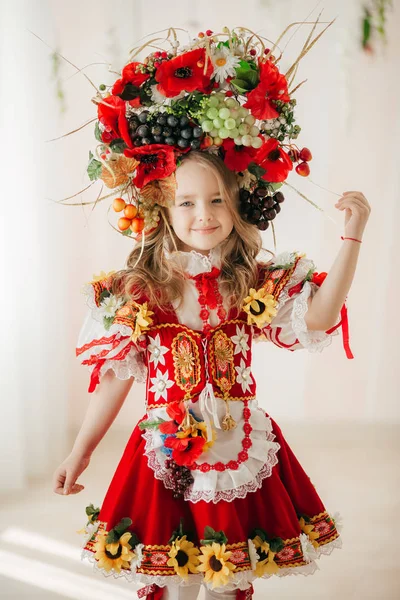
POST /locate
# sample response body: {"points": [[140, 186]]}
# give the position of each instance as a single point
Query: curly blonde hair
{"points": [[162, 281]]}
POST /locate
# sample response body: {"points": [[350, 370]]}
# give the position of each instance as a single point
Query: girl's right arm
{"points": [[105, 404]]}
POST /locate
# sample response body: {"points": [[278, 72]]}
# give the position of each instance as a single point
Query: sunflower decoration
{"points": [[214, 558], [136, 316], [183, 557], [260, 307], [267, 549], [113, 549], [307, 528]]}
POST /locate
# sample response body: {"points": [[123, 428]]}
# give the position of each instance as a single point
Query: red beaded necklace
{"points": [[209, 295]]}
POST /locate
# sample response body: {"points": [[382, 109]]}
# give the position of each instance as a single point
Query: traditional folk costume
{"points": [[207, 491]]}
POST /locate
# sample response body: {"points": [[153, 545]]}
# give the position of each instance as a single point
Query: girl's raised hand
{"points": [[357, 213], [65, 476]]}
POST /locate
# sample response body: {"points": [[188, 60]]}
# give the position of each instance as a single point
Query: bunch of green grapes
{"points": [[223, 117]]}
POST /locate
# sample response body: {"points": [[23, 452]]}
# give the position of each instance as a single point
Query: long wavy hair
{"points": [[162, 280]]}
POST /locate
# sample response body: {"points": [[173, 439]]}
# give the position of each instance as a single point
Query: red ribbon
{"points": [[245, 594], [95, 377], [204, 283], [151, 592]]}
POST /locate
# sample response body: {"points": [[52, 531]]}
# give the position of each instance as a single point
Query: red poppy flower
{"points": [[318, 278], [274, 160], [156, 161], [237, 158], [129, 75], [272, 86], [184, 72], [177, 412], [185, 450], [111, 114]]}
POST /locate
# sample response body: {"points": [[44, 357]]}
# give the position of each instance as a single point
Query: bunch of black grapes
{"points": [[162, 128], [258, 207], [180, 476]]}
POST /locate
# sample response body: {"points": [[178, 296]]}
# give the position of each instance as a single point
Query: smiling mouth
{"points": [[206, 229]]}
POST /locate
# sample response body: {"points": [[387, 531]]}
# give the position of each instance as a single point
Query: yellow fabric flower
{"points": [[260, 307], [260, 544], [215, 565], [267, 566], [143, 320], [183, 557], [113, 556], [308, 530], [195, 429], [103, 275]]}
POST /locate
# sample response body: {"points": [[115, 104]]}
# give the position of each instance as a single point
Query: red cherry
{"points": [[228, 94], [209, 32], [164, 54], [215, 84], [305, 154], [267, 50], [303, 169], [157, 64], [253, 52]]}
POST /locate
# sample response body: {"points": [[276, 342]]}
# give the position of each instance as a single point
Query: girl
{"points": [[208, 491]]}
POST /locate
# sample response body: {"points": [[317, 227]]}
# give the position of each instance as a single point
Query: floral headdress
{"points": [[223, 93]]}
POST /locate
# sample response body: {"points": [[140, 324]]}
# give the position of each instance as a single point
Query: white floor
{"points": [[354, 468]]}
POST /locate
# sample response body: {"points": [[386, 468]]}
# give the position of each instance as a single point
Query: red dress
{"points": [[207, 490]]}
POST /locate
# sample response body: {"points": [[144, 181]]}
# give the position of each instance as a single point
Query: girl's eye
{"points": [[219, 200]]}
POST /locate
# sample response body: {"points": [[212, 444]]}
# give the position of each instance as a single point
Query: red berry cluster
{"points": [[302, 157]]}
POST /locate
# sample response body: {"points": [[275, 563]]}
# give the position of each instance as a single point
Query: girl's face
{"points": [[200, 215]]}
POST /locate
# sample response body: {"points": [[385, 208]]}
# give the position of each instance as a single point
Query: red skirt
{"points": [[286, 506]]}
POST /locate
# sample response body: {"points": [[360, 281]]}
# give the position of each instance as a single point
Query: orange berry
{"points": [[200, 64], [201, 34], [137, 225], [124, 223], [130, 211], [119, 204]]}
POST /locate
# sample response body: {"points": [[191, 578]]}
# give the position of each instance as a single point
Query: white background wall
{"points": [[348, 113]]}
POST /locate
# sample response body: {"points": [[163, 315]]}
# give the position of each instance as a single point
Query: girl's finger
{"points": [[358, 194], [355, 201], [354, 206]]}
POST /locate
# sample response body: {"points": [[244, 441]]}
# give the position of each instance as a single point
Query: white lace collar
{"points": [[194, 262]]}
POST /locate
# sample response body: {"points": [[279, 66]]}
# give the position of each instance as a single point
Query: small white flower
{"points": [[110, 305], [224, 64], [137, 559], [156, 350], [338, 521], [159, 98], [161, 384], [90, 530], [240, 340], [254, 557], [244, 376], [284, 258], [309, 552]]}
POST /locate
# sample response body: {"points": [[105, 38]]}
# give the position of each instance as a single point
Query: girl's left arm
{"points": [[326, 303]]}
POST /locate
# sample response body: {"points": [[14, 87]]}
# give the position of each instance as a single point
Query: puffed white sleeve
{"points": [[108, 338], [292, 280]]}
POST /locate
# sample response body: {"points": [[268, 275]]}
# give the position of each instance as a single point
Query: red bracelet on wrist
{"points": [[350, 238]]}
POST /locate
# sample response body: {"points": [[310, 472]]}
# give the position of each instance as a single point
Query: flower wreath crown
{"points": [[223, 94]]}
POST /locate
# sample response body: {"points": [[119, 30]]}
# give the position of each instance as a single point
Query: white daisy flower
{"points": [[156, 350], [159, 98], [224, 64], [254, 557], [161, 384], [90, 530], [243, 376], [309, 552], [337, 517], [110, 305], [137, 559], [284, 258], [240, 340]]}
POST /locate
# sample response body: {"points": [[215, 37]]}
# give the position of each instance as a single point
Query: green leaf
{"points": [[151, 424], [241, 85], [97, 132], [180, 532], [276, 186], [92, 512], [112, 537], [276, 544], [104, 294], [118, 146], [93, 168], [107, 322], [123, 525], [210, 536], [260, 533], [256, 170]]}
